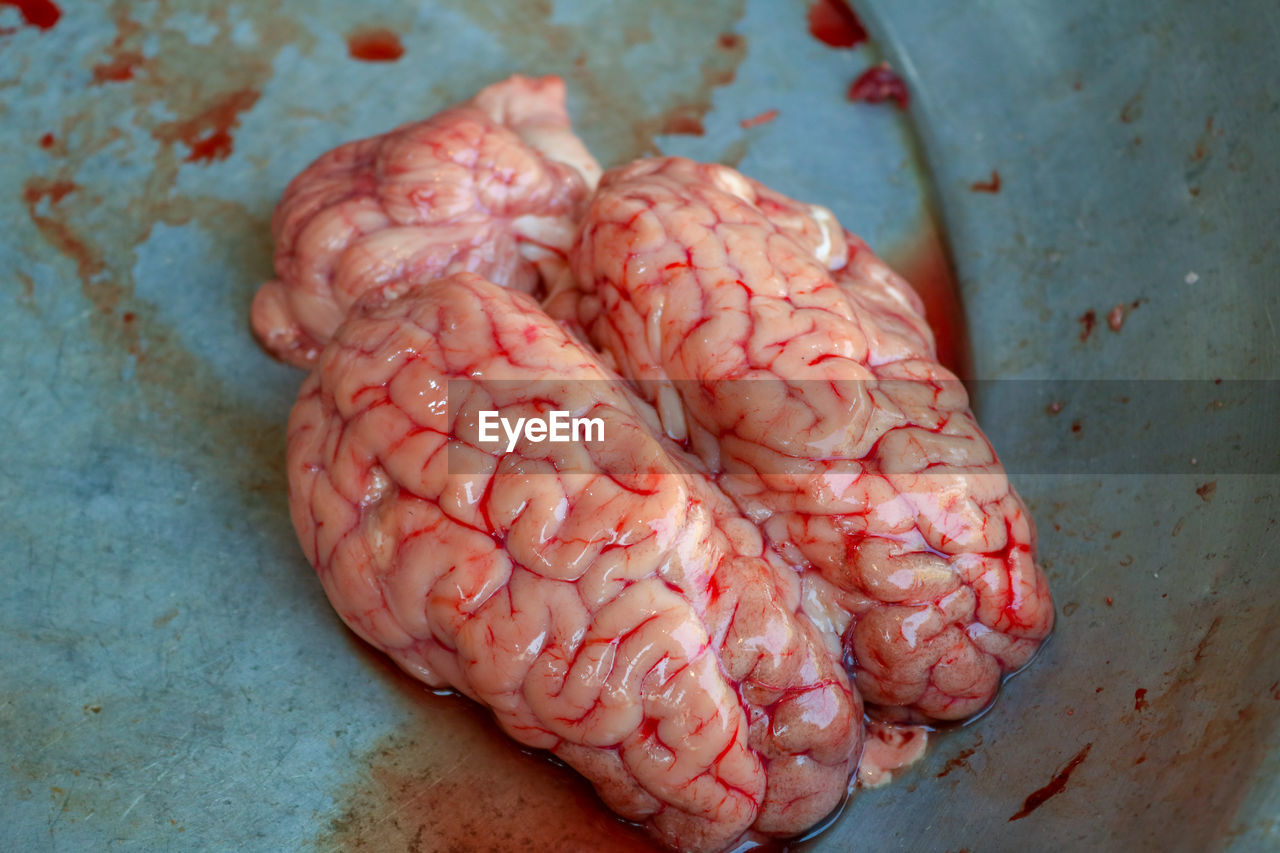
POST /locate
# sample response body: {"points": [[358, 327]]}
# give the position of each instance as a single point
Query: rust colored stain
{"points": [[992, 185], [1040, 796], [118, 69], [1132, 109], [36, 13], [60, 235], [1202, 144], [449, 779], [961, 759], [1087, 321], [755, 121], [1110, 601], [1208, 635], [834, 23], [1207, 491], [36, 189], [729, 41], [1076, 426], [1115, 320], [47, 141], [208, 133], [375, 44], [683, 122], [1140, 699], [877, 84]]}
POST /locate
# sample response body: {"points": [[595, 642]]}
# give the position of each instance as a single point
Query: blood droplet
{"points": [[36, 13], [988, 186], [376, 44], [1087, 321], [833, 23], [879, 83]]}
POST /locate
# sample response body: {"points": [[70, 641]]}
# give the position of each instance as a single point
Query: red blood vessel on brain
{"points": [[794, 510]]}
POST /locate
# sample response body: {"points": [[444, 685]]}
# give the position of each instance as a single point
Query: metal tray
{"points": [[172, 677]]}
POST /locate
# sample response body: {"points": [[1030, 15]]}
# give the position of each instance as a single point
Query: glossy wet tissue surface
{"points": [[172, 675]]}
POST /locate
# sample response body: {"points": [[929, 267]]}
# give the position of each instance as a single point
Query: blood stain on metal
{"points": [[877, 84], [1087, 321], [991, 185], [208, 133], [628, 110], [99, 225], [1040, 796], [1132, 109], [923, 260], [757, 120], [1208, 636], [117, 70], [375, 44], [37, 189], [1206, 491], [834, 23], [1140, 702], [42, 14], [685, 120], [960, 759], [448, 779]]}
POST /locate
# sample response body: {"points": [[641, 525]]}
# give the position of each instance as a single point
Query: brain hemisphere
{"points": [[807, 382], [603, 599], [493, 186]]}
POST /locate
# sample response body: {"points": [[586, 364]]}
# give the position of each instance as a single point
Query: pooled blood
{"points": [[36, 13]]}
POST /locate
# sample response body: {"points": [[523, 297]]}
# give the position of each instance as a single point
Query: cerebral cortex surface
{"points": [[792, 510]]}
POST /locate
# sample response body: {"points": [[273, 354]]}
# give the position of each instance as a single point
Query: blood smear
{"points": [[833, 23], [924, 262], [375, 45], [36, 13], [764, 118]]}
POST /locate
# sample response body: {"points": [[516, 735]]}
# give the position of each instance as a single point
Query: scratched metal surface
{"points": [[171, 675]]}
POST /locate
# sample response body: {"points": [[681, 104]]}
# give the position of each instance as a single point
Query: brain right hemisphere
{"points": [[800, 369], [605, 600]]}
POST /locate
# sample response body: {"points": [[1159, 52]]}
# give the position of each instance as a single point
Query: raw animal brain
{"points": [[792, 509]]}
